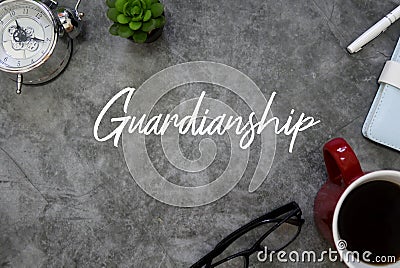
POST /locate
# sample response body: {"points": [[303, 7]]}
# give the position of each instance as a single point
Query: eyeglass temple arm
{"points": [[226, 241], [269, 217], [299, 223], [204, 262]]}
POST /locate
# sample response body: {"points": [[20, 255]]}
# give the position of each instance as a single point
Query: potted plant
{"points": [[139, 20]]}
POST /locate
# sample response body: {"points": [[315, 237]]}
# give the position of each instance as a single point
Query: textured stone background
{"points": [[67, 200]]}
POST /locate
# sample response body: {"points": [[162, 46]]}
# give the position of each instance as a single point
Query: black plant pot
{"points": [[154, 35]]}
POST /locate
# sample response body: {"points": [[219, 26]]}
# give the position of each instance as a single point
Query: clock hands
{"points": [[22, 35], [18, 27], [19, 35], [36, 39]]}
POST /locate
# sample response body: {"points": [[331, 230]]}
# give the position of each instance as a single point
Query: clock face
{"points": [[27, 35]]}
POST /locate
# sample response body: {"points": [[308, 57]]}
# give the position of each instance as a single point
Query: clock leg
{"points": [[19, 83]]}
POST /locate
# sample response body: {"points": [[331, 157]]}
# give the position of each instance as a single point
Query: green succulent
{"points": [[135, 18]]}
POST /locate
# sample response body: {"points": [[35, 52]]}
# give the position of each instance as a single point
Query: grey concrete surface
{"points": [[67, 200]]}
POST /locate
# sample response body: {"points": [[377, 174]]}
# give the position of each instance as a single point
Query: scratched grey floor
{"points": [[67, 200]]}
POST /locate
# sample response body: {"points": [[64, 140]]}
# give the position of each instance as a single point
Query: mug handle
{"points": [[341, 162]]}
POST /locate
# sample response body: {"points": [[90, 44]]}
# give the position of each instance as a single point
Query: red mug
{"points": [[343, 169], [344, 176]]}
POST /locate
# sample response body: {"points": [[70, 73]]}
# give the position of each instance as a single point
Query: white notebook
{"points": [[382, 124]]}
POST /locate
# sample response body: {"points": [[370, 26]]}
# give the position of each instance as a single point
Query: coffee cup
{"points": [[359, 212]]}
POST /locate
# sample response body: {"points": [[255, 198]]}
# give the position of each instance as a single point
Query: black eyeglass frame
{"points": [[289, 210]]}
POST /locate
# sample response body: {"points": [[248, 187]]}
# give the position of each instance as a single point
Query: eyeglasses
{"points": [[272, 233]]}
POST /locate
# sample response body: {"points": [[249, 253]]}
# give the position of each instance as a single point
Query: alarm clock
{"points": [[36, 39]]}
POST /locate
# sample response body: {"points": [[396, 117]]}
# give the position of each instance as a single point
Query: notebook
{"points": [[382, 124]]}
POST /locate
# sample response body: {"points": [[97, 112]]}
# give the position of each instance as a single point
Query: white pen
{"points": [[374, 31]]}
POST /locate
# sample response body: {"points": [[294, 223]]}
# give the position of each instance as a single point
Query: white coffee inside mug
{"points": [[346, 256]]}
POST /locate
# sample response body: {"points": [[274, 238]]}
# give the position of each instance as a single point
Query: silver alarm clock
{"points": [[36, 39]]}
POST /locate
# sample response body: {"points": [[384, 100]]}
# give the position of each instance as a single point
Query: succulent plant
{"points": [[135, 19]]}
